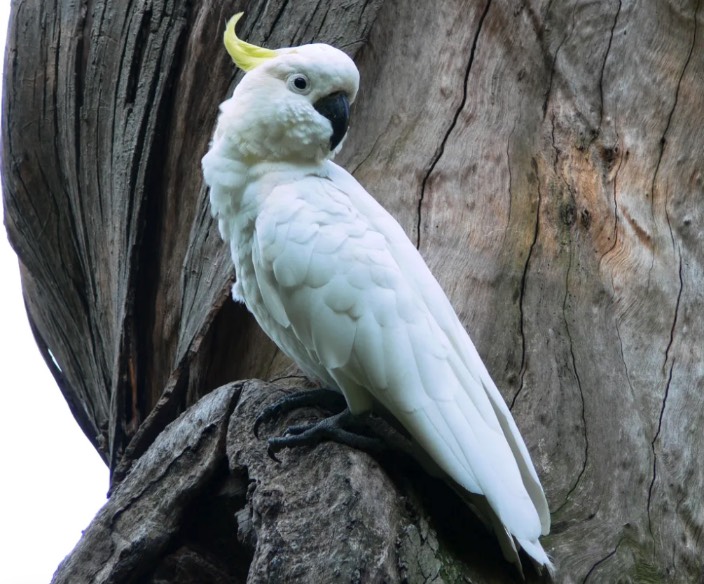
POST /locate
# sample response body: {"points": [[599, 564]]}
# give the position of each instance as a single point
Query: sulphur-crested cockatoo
{"points": [[333, 279]]}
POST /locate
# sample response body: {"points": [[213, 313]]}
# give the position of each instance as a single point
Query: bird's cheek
{"points": [[304, 128]]}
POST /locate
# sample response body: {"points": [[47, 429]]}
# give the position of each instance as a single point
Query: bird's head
{"points": [[291, 105]]}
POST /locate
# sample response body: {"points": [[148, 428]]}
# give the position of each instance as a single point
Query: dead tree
{"points": [[546, 158]]}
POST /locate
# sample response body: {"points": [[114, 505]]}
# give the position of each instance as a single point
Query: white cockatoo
{"points": [[335, 282]]}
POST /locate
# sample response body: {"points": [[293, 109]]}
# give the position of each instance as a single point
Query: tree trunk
{"points": [[546, 158]]}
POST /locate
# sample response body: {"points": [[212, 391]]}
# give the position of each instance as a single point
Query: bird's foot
{"points": [[328, 399], [363, 432], [338, 428]]}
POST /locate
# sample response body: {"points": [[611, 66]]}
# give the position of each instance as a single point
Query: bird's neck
{"points": [[276, 173], [263, 177]]}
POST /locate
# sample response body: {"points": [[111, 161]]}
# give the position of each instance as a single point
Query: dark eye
{"points": [[299, 83]]}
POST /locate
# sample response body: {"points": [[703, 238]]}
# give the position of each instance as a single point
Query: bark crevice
{"points": [[521, 298], [441, 148], [571, 292]]}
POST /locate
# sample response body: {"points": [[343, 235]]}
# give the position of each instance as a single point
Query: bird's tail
{"points": [[507, 542], [537, 554], [481, 508]]}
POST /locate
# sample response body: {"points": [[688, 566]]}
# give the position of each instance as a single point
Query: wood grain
{"points": [[546, 157]]}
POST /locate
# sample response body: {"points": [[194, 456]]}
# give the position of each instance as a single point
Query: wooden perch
{"points": [[546, 157], [206, 503]]}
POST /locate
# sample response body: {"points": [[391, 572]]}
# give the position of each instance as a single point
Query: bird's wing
{"points": [[338, 277], [413, 265]]}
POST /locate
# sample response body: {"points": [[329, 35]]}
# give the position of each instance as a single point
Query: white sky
{"points": [[53, 481]]}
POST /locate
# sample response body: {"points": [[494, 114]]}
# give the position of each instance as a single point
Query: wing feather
{"points": [[268, 287], [333, 337], [413, 266], [364, 306], [369, 351]]}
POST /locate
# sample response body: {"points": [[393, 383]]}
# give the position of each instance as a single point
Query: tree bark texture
{"points": [[546, 158]]}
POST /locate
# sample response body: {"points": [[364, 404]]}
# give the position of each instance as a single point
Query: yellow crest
{"points": [[245, 56]]}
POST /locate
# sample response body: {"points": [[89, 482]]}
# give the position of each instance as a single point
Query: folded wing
{"points": [[343, 280]]}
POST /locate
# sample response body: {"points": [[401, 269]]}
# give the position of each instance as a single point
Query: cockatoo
{"points": [[335, 282]]}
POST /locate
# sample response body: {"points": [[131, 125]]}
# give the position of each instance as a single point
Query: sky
{"points": [[53, 480]]}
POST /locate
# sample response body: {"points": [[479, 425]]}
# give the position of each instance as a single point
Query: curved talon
{"points": [[272, 452], [327, 398], [267, 414], [257, 423], [334, 428]]}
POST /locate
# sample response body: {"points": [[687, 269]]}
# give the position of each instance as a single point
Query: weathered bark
{"points": [[546, 157], [206, 503], [143, 518]]}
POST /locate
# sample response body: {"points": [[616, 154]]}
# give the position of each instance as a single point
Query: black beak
{"points": [[336, 108]]}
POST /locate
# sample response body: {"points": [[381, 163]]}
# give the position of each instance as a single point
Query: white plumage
{"points": [[333, 279]]}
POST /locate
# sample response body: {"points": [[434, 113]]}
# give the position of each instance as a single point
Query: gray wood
{"points": [[546, 157], [335, 514], [146, 512], [205, 503]]}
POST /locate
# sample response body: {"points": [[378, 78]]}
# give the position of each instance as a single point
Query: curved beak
{"points": [[336, 108]]}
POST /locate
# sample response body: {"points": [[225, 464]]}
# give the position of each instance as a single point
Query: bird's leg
{"points": [[328, 399], [362, 432], [338, 428]]}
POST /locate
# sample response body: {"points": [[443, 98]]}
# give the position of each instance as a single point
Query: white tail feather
{"points": [[537, 553]]}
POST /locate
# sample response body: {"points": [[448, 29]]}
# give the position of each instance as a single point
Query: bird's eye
{"points": [[299, 83]]}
